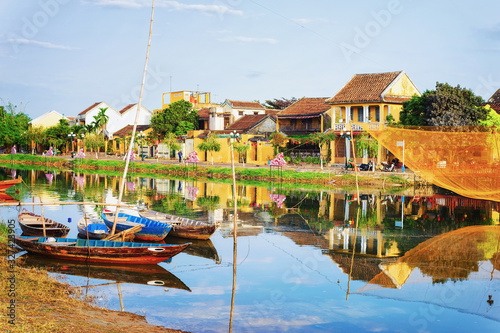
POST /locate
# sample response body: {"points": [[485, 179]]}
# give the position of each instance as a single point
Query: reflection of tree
{"points": [[454, 255], [210, 202], [173, 204]]}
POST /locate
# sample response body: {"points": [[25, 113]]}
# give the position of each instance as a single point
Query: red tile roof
{"points": [[245, 123], [89, 108], [273, 112], [366, 88], [204, 113], [128, 107], [306, 106], [495, 106], [245, 105], [127, 130], [495, 99]]}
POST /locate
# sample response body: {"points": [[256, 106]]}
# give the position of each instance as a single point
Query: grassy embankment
{"points": [[114, 167], [41, 304]]}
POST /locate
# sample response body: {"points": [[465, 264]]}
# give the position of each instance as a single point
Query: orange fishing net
{"points": [[465, 160]]}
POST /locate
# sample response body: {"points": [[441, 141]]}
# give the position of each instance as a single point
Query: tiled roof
{"points": [[495, 99], [495, 106], [127, 130], [273, 112], [128, 107], [306, 106], [245, 105], [246, 122], [89, 108], [365, 88], [204, 113]]}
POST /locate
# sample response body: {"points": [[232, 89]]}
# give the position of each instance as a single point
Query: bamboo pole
{"points": [[235, 247], [43, 220], [127, 156]]}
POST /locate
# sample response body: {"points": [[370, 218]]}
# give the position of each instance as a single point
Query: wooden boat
{"points": [[32, 225], [151, 230], [5, 184], [92, 227], [99, 251], [153, 275], [182, 227]]}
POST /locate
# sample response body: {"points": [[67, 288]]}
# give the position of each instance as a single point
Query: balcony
{"points": [[341, 127]]}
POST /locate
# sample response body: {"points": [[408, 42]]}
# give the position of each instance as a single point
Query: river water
{"points": [[308, 259]]}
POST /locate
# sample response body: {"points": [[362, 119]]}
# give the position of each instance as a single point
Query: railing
{"points": [[341, 127]]}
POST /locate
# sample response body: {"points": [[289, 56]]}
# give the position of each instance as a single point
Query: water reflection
{"points": [[298, 253], [153, 275]]}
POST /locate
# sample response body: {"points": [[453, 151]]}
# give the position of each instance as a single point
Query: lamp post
{"points": [[71, 138]]}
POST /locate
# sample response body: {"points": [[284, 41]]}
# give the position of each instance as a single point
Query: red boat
{"points": [[5, 184]]}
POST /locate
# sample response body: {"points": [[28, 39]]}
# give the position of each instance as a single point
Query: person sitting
{"points": [[350, 165]]}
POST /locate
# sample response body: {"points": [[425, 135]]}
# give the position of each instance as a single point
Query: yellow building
{"points": [[368, 98], [199, 99], [260, 151], [47, 119]]}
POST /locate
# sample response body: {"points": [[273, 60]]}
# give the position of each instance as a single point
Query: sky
{"points": [[65, 55]]}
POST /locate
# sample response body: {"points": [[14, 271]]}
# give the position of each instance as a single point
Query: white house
{"points": [[87, 116], [128, 115], [237, 109]]}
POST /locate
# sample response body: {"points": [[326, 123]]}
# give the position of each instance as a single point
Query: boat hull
{"points": [[5, 184], [182, 227], [152, 231], [32, 225], [100, 230], [100, 251]]}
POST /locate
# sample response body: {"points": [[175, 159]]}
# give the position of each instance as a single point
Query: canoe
{"points": [[32, 225], [99, 251], [92, 226], [5, 184], [152, 275], [182, 227], [151, 230]]}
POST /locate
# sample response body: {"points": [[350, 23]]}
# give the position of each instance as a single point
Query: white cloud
{"points": [[45, 45], [244, 39], [172, 5]]}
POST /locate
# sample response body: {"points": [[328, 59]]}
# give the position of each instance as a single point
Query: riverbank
{"points": [[311, 174], [34, 302]]}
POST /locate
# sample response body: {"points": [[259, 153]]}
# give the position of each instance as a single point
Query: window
{"points": [[360, 114], [240, 113], [377, 113]]}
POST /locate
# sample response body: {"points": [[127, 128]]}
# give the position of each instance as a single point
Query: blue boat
{"points": [[151, 230]]}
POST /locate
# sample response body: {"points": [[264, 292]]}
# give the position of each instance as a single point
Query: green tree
{"points": [[13, 125], [93, 141], [279, 103], [57, 136], [444, 106], [172, 142], [240, 148], [101, 119], [210, 144], [177, 118], [492, 119]]}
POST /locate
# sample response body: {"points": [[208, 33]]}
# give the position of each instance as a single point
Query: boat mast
{"points": [[129, 153]]}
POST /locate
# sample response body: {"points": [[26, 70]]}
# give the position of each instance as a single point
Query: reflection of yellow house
{"points": [[368, 98]]}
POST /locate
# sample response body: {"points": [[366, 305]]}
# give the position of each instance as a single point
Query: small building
{"points": [[47, 119], [128, 114], [234, 110], [367, 98], [86, 117], [305, 116], [494, 101], [254, 124]]}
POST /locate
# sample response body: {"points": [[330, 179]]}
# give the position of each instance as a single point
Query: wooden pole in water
{"points": [[43, 220], [127, 156], [235, 242]]}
